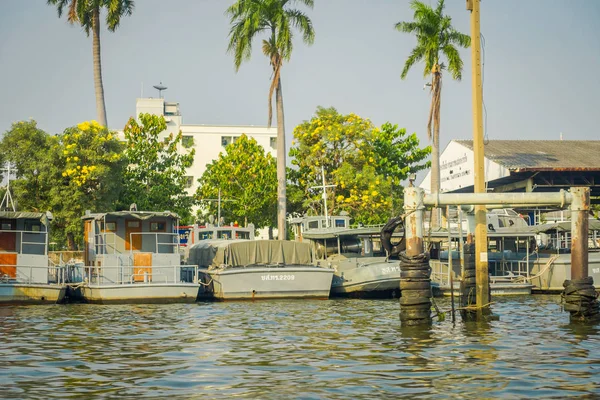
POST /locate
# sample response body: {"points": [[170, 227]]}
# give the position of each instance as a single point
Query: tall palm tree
{"points": [[276, 19], [87, 14], [436, 38]]}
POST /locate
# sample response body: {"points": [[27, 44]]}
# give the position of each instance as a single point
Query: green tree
{"points": [[276, 19], [65, 174], [436, 38], [155, 179], [89, 159], [27, 149], [247, 177], [366, 164], [86, 13]]}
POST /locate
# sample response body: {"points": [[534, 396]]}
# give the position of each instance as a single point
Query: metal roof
{"points": [[542, 155]]}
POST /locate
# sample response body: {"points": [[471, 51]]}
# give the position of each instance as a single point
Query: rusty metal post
{"points": [[413, 206], [579, 232]]}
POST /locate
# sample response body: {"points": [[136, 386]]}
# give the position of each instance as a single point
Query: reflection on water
{"points": [[289, 349]]}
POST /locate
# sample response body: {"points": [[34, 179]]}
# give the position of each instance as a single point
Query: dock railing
{"points": [[27, 274], [149, 274]]}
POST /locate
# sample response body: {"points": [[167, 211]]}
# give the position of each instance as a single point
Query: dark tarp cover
{"points": [[240, 253]]}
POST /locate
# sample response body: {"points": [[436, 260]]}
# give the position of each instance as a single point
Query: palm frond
{"points": [[459, 39], [115, 10], [415, 56], [455, 63], [301, 22]]}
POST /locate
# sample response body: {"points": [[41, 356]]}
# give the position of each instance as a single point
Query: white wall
{"points": [[456, 169]]}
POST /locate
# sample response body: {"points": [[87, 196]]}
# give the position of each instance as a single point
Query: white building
{"points": [[207, 140]]}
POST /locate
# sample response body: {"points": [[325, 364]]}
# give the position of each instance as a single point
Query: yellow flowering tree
{"points": [[90, 163], [364, 163]]}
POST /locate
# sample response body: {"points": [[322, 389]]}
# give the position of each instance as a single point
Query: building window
{"points": [[33, 227], [273, 142], [227, 140], [189, 181], [187, 141]]}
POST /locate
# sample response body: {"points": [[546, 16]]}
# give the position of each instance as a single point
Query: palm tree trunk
{"points": [[281, 179], [100, 107], [435, 147]]}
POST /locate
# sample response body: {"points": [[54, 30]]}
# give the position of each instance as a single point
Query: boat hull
{"points": [[25, 293], [140, 293], [552, 276], [271, 283], [374, 279]]}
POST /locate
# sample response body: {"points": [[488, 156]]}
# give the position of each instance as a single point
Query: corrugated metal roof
{"points": [[570, 155]]}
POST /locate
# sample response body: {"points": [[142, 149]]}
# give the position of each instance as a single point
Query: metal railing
{"points": [[56, 274], [126, 274], [174, 241]]}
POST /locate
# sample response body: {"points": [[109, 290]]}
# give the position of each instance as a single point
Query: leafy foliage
{"points": [[435, 37], [88, 157], [366, 164], [155, 179], [247, 178], [81, 12], [65, 174]]}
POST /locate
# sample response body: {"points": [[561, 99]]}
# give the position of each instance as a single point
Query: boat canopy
{"points": [[564, 226], [330, 233], [42, 217], [142, 215], [241, 253]]}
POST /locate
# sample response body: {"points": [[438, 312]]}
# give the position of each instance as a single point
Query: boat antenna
{"points": [[324, 187], [7, 196], [219, 200]]}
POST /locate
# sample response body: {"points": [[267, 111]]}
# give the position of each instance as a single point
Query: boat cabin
{"points": [[24, 247], [132, 246]]}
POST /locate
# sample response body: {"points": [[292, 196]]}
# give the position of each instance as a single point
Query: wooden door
{"points": [[87, 243], [142, 264], [8, 265], [8, 240], [133, 242]]}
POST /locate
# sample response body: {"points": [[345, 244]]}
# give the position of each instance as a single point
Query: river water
{"points": [[344, 348]]}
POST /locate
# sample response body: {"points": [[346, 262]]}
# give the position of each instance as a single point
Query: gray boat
{"points": [[133, 257], [357, 255], [27, 276], [260, 269]]}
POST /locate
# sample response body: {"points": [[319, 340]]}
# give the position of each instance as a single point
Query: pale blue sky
{"points": [[542, 59]]}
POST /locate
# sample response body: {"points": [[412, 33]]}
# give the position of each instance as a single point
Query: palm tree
{"points": [[435, 38], [87, 14], [276, 19]]}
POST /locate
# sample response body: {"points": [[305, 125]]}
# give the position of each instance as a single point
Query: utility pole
{"points": [[481, 260]]}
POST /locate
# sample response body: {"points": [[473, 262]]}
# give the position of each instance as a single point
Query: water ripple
{"points": [[294, 349]]}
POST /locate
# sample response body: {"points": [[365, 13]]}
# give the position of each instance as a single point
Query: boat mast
{"points": [[324, 187]]}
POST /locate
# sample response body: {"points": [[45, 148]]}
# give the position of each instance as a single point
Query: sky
{"points": [[541, 63]]}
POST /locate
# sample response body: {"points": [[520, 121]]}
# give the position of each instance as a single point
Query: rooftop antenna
{"points": [[160, 87], [7, 196], [324, 187]]}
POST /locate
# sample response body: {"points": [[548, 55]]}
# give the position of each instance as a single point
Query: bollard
{"points": [[415, 290]]}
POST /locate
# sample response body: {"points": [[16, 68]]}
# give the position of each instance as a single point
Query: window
{"points": [[340, 223], [7, 225], [224, 235], [110, 227], [273, 142], [158, 226], [33, 227], [227, 140], [133, 224], [313, 224], [187, 141], [189, 181]]}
